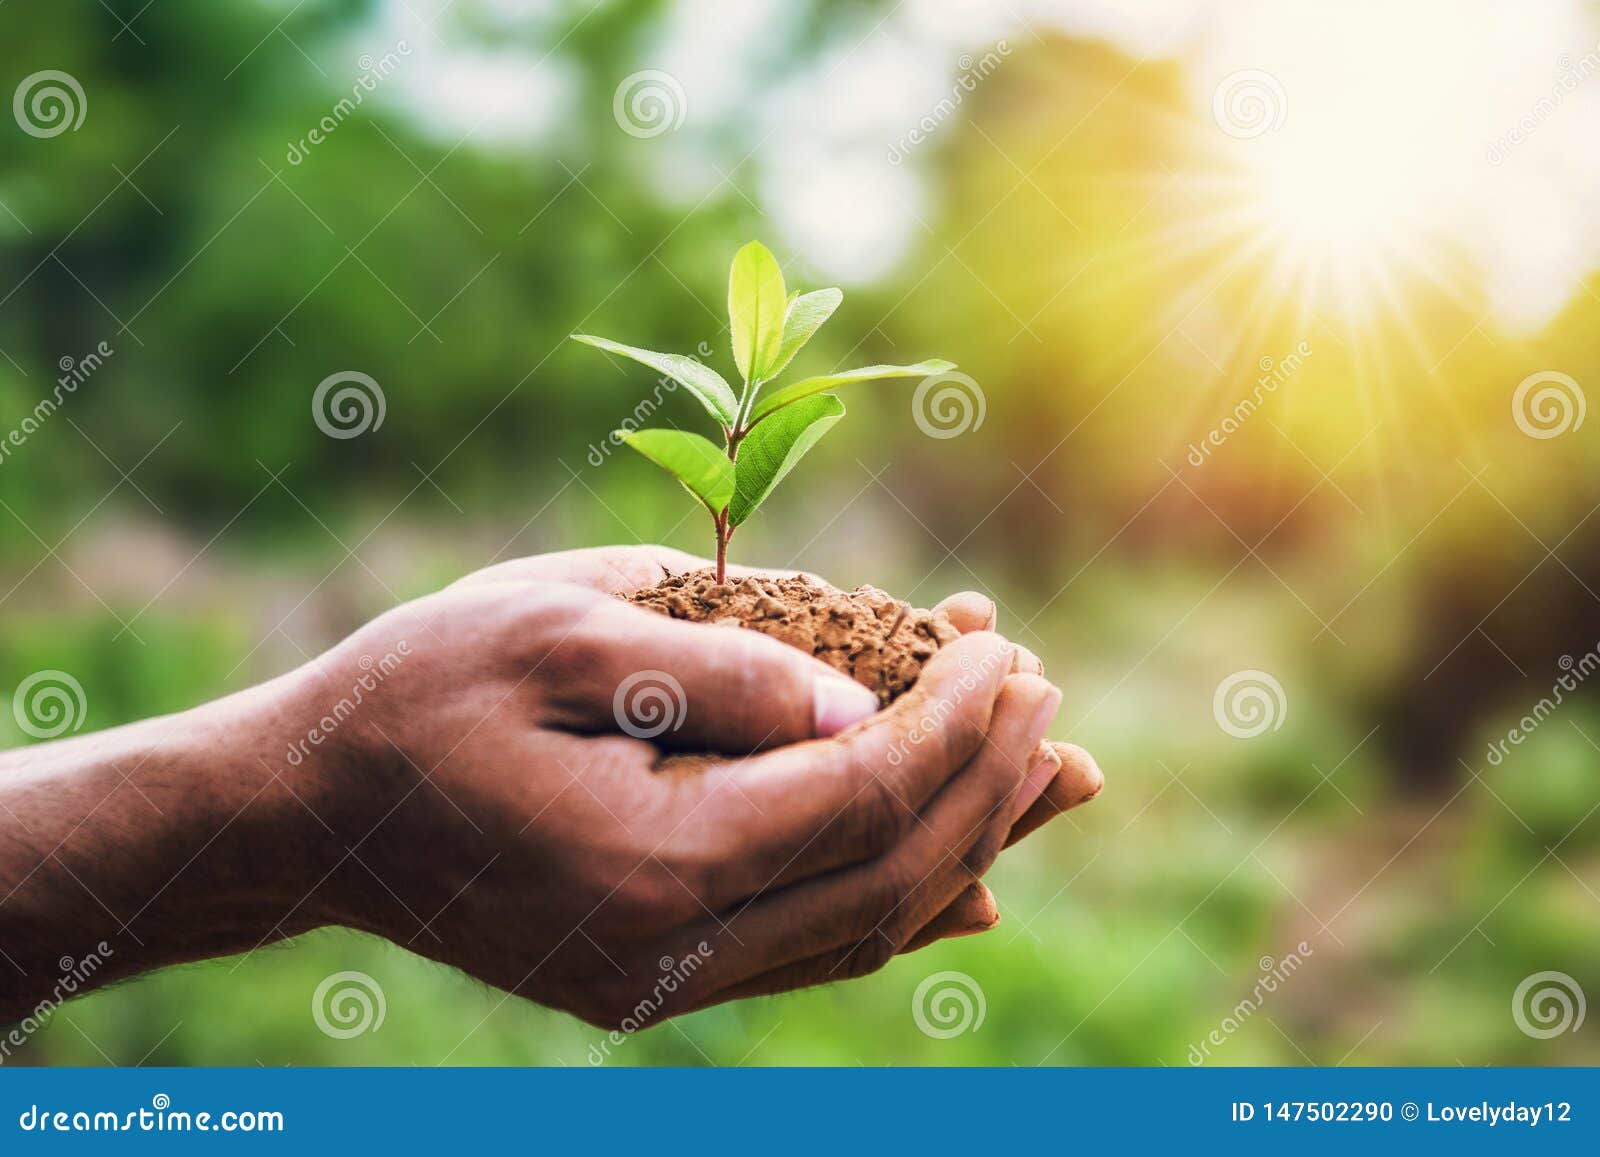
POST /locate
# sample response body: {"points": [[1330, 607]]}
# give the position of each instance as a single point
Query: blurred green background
{"points": [[1066, 200]]}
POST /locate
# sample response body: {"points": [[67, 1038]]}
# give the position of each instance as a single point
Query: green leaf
{"points": [[774, 447], [809, 386], [755, 309], [804, 317], [700, 464], [698, 378]]}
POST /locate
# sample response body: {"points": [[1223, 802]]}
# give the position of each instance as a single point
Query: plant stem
{"points": [[722, 547], [732, 438]]}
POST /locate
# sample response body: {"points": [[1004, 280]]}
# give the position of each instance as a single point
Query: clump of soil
{"points": [[877, 640]]}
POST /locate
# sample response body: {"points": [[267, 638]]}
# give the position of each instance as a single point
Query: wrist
{"points": [[262, 804]]}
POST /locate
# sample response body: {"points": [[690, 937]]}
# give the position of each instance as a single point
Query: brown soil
{"points": [[874, 638]]}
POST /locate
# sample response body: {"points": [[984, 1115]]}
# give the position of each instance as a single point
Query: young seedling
{"points": [[763, 436]]}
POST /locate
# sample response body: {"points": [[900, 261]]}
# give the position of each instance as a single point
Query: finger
{"points": [[1079, 781], [849, 923], [1027, 663], [969, 611], [974, 911], [971, 912], [692, 686], [767, 821]]}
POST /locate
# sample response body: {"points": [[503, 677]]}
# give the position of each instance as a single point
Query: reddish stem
{"points": [[722, 547], [724, 532]]}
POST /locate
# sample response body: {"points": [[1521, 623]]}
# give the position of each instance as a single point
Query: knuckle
{"points": [[871, 955], [985, 850]]}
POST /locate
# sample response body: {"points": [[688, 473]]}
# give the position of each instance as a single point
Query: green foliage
{"points": [[773, 448], [806, 313], [768, 327], [805, 389], [756, 303], [705, 471], [698, 378]]}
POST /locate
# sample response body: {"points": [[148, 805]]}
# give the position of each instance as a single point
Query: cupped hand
{"points": [[1060, 776], [497, 791]]}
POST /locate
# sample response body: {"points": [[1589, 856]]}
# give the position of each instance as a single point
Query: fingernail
{"points": [[975, 929], [1025, 662], [1097, 785], [1038, 779], [839, 703]]}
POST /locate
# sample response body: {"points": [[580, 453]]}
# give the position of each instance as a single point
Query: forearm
{"points": [[169, 840]]}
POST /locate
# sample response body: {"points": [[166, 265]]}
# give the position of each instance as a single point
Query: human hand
{"points": [[1061, 776], [504, 825], [456, 776]]}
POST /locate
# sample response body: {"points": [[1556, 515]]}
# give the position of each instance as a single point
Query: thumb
{"points": [[697, 686]]}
